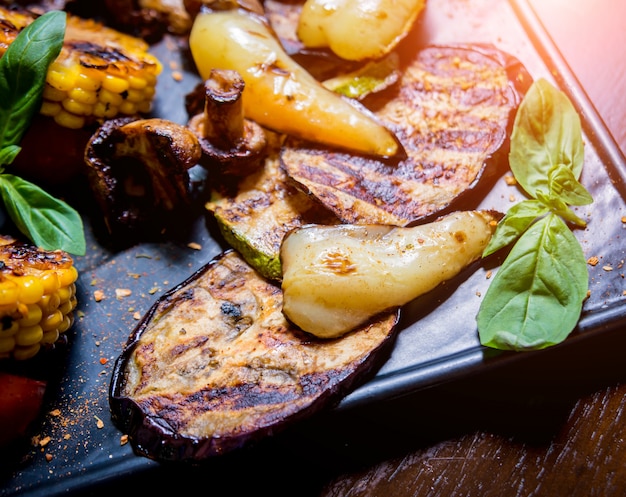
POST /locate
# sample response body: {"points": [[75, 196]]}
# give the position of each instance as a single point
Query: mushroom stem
{"points": [[223, 122]]}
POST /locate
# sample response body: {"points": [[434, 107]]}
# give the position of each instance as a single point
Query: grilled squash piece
{"points": [[100, 73], [451, 111], [214, 366], [256, 212]]}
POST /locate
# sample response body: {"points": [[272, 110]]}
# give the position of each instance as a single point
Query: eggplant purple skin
{"points": [[155, 439]]}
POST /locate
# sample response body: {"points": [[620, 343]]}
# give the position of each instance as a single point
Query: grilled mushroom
{"points": [[138, 171], [231, 144]]}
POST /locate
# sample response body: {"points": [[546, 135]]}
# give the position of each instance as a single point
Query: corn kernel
{"points": [[67, 307], [109, 97], [52, 321], [67, 276], [115, 84], [30, 288], [78, 108], [68, 321], [50, 303], [32, 317], [10, 329], [49, 337], [7, 344], [8, 292], [89, 80], [83, 96], [50, 280], [128, 108], [29, 335], [135, 96], [23, 353], [137, 83], [61, 78], [50, 109], [68, 120], [53, 94], [144, 107]]}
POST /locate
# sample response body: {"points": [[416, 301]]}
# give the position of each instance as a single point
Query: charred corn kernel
{"points": [[96, 62], [37, 298], [10, 330]]}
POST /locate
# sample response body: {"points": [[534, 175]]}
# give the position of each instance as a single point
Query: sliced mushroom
{"points": [[230, 143], [138, 171]]}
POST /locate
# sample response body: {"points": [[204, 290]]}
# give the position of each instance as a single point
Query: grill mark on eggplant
{"points": [[214, 366], [451, 111]]}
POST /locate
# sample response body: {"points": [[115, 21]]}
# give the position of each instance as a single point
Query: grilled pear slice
{"points": [[336, 278]]}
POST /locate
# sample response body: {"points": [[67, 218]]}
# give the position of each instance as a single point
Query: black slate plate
{"points": [[438, 342]]}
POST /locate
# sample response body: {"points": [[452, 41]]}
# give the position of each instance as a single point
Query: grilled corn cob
{"points": [[37, 298], [100, 73]]}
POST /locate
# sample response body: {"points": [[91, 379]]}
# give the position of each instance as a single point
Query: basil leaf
{"points": [[546, 133], [517, 219], [49, 222], [23, 70], [559, 207], [8, 154], [536, 297], [563, 184]]}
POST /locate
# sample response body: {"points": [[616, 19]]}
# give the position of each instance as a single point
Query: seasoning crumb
{"points": [[510, 180], [98, 295], [177, 76], [511, 198], [99, 423], [593, 260], [103, 360], [194, 245], [120, 293], [48, 457], [123, 439], [488, 275], [55, 412], [478, 293], [153, 290], [136, 316], [44, 441], [624, 219], [607, 268]]}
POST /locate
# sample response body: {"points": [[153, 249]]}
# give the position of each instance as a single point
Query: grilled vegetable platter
{"points": [[199, 326]]}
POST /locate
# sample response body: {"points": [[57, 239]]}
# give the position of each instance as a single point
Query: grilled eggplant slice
{"points": [[214, 366], [255, 212], [451, 111]]}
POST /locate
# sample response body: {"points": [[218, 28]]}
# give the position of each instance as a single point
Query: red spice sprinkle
{"points": [[103, 360]]}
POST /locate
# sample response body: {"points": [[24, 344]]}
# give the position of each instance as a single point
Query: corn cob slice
{"points": [[37, 298], [100, 73]]}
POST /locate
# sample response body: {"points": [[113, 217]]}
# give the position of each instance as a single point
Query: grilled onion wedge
{"points": [[214, 366], [335, 278]]}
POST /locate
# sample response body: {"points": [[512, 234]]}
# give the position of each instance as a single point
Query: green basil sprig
{"points": [[47, 221], [536, 296]]}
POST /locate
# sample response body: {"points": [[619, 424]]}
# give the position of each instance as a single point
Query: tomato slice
{"points": [[21, 399]]}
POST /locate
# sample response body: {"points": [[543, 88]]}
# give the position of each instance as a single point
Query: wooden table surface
{"points": [[554, 425]]}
